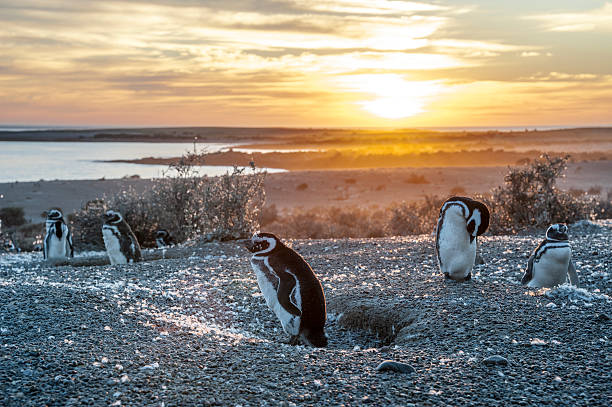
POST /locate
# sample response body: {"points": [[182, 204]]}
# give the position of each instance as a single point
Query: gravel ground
{"points": [[195, 330]]}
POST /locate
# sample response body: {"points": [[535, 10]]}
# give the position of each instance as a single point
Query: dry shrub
{"points": [[12, 216], [406, 218], [330, 222], [594, 190], [530, 199], [414, 218], [184, 203], [302, 187]]}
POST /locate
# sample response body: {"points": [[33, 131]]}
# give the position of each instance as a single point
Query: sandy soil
{"points": [[323, 188]]}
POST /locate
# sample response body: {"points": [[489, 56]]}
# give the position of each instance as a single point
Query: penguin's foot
{"points": [[294, 340]]}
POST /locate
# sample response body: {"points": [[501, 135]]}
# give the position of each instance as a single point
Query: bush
{"points": [[406, 218], [530, 199], [12, 216], [184, 203]]}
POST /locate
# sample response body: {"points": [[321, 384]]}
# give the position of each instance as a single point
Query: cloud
{"points": [[591, 20], [262, 61]]}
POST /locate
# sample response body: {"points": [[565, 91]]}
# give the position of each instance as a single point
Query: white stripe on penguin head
{"points": [[271, 244], [476, 218], [115, 213], [464, 207]]}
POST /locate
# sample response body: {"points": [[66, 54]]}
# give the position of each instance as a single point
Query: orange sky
{"points": [[306, 63]]}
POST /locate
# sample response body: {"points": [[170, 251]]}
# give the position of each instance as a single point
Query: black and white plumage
{"points": [[58, 240], [460, 222], [551, 262], [163, 238], [291, 289], [121, 245]]}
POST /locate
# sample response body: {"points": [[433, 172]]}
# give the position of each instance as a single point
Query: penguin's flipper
{"points": [[46, 245], [286, 286], [69, 243], [529, 272], [573, 276]]}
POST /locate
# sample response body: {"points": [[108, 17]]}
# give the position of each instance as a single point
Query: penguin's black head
{"points": [[557, 232], [112, 217], [54, 214], [262, 243], [161, 234]]}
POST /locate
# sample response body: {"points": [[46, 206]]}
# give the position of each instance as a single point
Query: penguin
{"points": [[58, 240], [121, 245], [460, 222], [163, 238], [551, 262], [291, 289]]}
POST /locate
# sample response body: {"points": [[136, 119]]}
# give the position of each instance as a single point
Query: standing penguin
{"points": [[291, 289], [121, 245], [551, 262], [58, 241], [461, 220]]}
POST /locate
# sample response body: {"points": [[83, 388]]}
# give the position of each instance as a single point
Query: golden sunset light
{"points": [[305, 63]]}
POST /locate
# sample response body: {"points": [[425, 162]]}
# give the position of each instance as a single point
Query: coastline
{"points": [[309, 189]]}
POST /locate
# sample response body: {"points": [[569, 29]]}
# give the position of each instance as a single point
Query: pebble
{"points": [[397, 367], [495, 360]]}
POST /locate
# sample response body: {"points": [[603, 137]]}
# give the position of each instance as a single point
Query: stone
{"points": [[495, 360], [396, 367]]}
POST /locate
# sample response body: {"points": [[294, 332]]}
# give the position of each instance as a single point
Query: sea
{"points": [[23, 161]]}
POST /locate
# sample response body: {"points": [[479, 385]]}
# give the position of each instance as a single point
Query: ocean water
{"points": [[33, 161]]}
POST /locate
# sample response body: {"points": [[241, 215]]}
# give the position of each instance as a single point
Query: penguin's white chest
{"points": [[113, 245], [268, 282], [456, 253], [550, 269], [56, 248]]}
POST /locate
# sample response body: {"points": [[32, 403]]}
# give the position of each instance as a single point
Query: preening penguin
{"points": [[291, 289], [58, 241], [121, 245], [460, 222], [551, 262]]}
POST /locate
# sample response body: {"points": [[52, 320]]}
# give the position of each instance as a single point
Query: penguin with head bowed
{"points": [[121, 245], [58, 241], [163, 238], [551, 262], [291, 289], [460, 222]]}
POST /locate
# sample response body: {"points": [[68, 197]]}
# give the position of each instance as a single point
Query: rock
{"points": [[397, 367], [601, 317], [495, 360]]}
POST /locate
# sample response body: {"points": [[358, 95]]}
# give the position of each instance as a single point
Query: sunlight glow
{"points": [[396, 97]]}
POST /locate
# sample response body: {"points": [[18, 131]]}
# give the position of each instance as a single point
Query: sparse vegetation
{"points": [[529, 198], [12, 216], [183, 202]]}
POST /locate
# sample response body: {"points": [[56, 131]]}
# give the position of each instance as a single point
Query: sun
{"points": [[393, 97], [393, 107]]}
